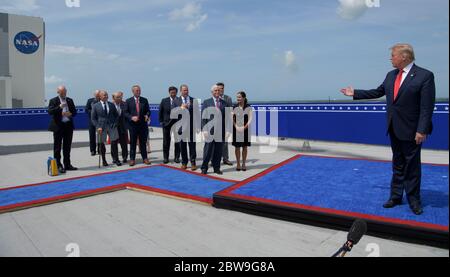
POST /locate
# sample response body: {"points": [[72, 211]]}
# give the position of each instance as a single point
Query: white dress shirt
{"points": [[172, 101], [65, 110], [119, 110], [103, 106], [406, 71], [185, 100]]}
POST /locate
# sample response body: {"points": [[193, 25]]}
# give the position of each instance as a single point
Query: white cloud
{"points": [[18, 6], [55, 49], [351, 9], [191, 14], [189, 11], [53, 80], [194, 25], [69, 50], [290, 61]]}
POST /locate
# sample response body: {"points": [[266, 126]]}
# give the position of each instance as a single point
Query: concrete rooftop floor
{"points": [[129, 223]]}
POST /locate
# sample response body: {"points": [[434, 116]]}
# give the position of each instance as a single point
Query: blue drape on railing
{"points": [[340, 122]]}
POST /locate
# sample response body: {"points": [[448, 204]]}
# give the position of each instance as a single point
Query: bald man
{"points": [[62, 110], [92, 132]]}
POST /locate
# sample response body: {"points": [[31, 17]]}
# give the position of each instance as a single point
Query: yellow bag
{"points": [[52, 167]]}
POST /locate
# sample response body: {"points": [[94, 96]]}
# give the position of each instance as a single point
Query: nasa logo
{"points": [[26, 42]]}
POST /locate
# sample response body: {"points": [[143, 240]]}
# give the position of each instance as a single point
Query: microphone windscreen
{"points": [[358, 229]]}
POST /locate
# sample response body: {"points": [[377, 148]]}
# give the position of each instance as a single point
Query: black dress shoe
{"points": [[177, 160], [125, 161], [227, 162], [218, 172], [166, 161], [417, 210], [61, 169], [118, 163], [93, 153], [105, 163], [391, 204], [71, 168], [204, 172]]}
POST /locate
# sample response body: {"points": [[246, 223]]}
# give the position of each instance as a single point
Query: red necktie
{"points": [[138, 108], [218, 103], [398, 82]]}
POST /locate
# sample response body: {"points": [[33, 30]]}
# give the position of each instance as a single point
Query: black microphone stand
{"points": [[347, 247]]}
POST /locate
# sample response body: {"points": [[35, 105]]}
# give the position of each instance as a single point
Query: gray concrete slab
{"points": [[130, 223]]}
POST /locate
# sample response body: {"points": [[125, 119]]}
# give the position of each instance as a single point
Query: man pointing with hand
{"points": [[410, 97]]}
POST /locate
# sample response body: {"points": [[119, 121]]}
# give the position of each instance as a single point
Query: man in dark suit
{"points": [[92, 131], [62, 110], [229, 103], [213, 127], [122, 126], [104, 117], [187, 102], [137, 113], [165, 108], [410, 95]]}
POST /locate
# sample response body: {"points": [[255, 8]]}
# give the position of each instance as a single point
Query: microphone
{"points": [[356, 232]]}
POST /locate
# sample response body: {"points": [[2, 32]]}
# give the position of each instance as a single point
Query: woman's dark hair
{"points": [[243, 95]]}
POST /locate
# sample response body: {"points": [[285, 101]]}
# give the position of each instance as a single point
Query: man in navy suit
{"points": [[188, 103], [165, 108], [62, 110], [137, 112], [410, 95], [213, 114], [229, 101], [92, 132], [122, 125]]}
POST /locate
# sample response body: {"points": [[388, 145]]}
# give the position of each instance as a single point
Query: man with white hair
{"points": [[214, 111], [62, 110], [122, 126], [137, 112], [105, 117], [410, 96]]}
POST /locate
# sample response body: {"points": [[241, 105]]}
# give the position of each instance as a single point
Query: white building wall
{"points": [[5, 93], [27, 70]]}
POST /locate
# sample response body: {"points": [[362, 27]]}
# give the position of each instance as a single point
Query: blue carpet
{"points": [[352, 186], [156, 177]]}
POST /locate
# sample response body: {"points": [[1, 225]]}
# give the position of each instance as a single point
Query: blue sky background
{"points": [[273, 50]]}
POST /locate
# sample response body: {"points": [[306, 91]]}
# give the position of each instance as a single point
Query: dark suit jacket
{"points": [[165, 109], [104, 120], [191, 113], [413, 108], [131, 111], [228, 100], [88, 108], [56, 113], [212, 103], [122, 123]]}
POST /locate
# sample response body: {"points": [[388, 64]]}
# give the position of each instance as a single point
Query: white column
{"points": [[5, 92]]}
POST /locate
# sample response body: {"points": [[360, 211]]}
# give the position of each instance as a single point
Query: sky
{"points": [[273, 50]]}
